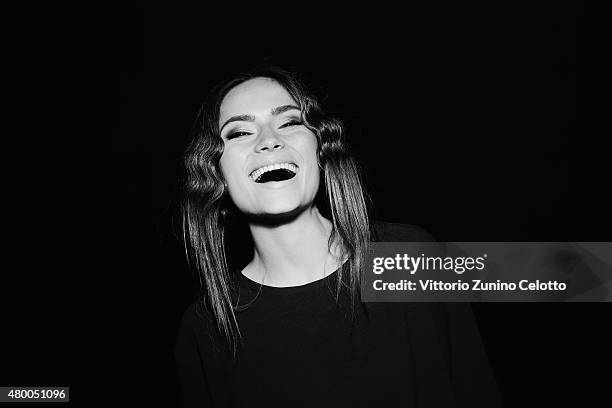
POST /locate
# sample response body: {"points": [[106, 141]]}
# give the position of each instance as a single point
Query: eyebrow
{"points": [[250, 118]]}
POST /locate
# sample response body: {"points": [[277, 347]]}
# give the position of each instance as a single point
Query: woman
{"points": [[288, 328]]}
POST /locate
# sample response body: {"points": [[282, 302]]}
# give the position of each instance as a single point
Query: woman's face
{"points": [[270, 158]]}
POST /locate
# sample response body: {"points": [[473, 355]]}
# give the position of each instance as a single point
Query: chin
{"points": [[279, 208], [277, 215]]}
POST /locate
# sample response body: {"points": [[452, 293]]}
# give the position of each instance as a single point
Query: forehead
{"points": [[253, 97]]}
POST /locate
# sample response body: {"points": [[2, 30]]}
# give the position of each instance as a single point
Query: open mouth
{"points": [[274, 172]]}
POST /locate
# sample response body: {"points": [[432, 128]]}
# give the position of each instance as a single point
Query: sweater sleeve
{"points": [[458, 349], [194, 387], [471, 376], [450, 364]]}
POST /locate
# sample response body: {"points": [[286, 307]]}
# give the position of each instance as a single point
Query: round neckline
{"points": [[256, 285]]}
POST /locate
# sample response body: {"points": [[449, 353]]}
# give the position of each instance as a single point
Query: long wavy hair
{"points": [[205, 210]]}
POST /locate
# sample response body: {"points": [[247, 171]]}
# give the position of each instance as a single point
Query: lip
{"points": [[255, 169], [271, 162], [276, 184]]}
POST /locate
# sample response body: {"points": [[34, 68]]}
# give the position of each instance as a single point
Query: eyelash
{"points": [[292, 122], [234, 135]]}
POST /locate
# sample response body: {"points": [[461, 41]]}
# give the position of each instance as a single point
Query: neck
{"points": [[292, 253]]}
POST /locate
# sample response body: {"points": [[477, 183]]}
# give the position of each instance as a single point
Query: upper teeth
{"points": [[257, 173]]}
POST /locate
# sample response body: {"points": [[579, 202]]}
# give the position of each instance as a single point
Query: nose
{"points": [[269, 141]]}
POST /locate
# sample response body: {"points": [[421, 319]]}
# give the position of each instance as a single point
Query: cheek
{"points": [[309, 148], [230, 166], [316, 181], [311, 156], [224, 167]]}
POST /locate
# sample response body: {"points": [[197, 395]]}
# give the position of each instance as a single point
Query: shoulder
{"points": [[190, 314], [198, 329], [396, 232], [197, 324], [196, 316]]}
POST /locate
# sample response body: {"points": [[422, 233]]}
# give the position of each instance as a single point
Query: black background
{"points": [[466, 121], [462, 119]]}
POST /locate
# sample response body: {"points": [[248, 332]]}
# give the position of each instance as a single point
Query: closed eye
{"points": [[234, 135], [292, 122]]}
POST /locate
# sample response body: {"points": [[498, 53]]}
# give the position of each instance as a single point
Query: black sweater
{"points": [[302, 348]]}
